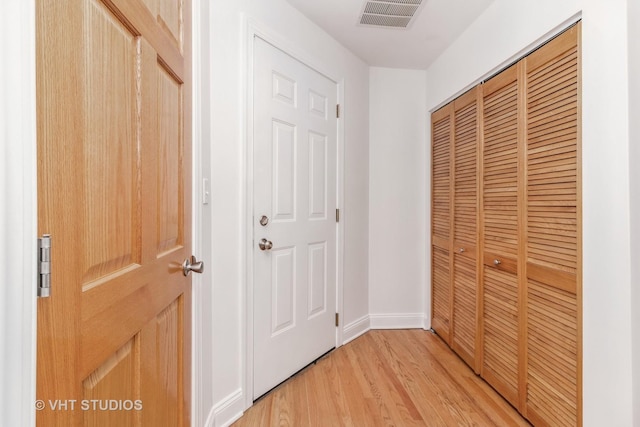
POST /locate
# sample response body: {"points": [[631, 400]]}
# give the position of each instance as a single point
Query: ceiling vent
{"points": [[389, 13]]}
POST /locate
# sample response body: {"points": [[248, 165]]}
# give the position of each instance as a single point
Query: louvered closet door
{"points": [[465, 226], [553, 233], [441, 216], [500, 233]]}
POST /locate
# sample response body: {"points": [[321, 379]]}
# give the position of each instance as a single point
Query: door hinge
{"points": [[337, 215], [337, 111], [337, 320], [44, 266]]}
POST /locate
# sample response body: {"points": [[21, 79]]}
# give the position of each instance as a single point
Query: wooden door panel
{"points": [[170, 18], [114, 193], [441, 210], [501, 227], [441, 176], [113, 380], [441, 313], [465, 231], [161, 367], [500, 162], [553, 229], [168, 14], [139, 15], [170, 162], [552, 159], [500, 347], [110, 217], [552, 356], [464, 308]]}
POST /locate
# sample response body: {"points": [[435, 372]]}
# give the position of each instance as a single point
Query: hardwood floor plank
{"points": [[385, 378]]}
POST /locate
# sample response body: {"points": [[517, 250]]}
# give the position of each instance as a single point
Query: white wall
{"points": [[397, 204], [228, 78], [18, 219], [634, 161], [506, 30]]}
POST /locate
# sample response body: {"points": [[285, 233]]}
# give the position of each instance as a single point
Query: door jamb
{"points": [[18, 220], [252, 30]]}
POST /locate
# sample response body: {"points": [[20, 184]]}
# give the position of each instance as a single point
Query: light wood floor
{"points": [[385, 378]]}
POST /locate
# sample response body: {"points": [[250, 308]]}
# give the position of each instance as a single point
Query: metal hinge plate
{"points": [[337, 215], [44, 266], [337, 319], [337, 111]]}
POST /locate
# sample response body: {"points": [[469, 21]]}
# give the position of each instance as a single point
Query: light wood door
{"points": [[441, 208], [501, 313], [114, 156], [295, 175], [466, 142], [553, 232]]}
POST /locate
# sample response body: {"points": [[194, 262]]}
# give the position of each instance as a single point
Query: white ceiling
{"points": [[437, 24]]}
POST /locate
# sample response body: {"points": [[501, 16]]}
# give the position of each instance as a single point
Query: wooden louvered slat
{"points": [[500, 161], [465, 182], [500, 347], [552, 104], [441, 292], [464, 308], [552, 349], [441, 214]]}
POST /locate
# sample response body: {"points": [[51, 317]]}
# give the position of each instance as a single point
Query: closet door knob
{"points": [[461, 250], [497, 262]]}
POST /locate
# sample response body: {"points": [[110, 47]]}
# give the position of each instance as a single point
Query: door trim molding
{"points": [[18, 224], [200, 342], [254, 29]]}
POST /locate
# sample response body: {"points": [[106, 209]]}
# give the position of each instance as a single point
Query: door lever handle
{"points": [[192, 264]]}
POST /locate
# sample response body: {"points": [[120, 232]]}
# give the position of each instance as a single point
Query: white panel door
{"points": [[295, 153]]}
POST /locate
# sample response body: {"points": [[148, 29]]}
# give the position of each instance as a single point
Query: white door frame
{"points": [[254, 29], [18, 218]]}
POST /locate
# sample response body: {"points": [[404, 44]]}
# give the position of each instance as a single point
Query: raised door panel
{"points": [[441, 221], [500, 290], [110, 395], [170, 162], [553, 229], [465, 232]]}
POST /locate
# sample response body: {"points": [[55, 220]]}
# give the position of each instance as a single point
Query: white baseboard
{"points": [[356, 328], [397, 321], [426, 325], [227, 411]]}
